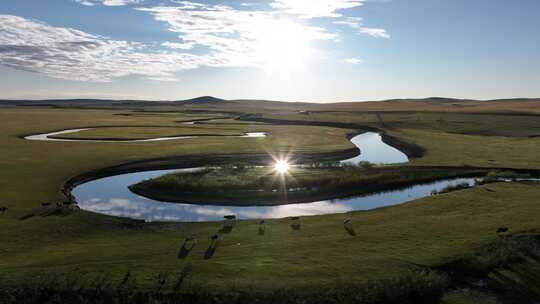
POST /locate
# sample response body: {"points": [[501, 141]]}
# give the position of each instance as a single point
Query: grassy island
{"points": [[241, 185]]}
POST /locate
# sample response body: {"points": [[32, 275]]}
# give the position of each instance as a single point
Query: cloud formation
{"points": [[352, 60], [236, 37], [315, 9], [213, 35], [107, 2], [66, 53], [356, 23]]}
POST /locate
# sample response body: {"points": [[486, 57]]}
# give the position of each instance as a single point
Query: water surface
{"points": [[374, 150], [111, 196], [48, 137]]}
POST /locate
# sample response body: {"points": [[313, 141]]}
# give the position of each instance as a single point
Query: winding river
{"points": [[111, 196], [375, 151], [50, 136]]}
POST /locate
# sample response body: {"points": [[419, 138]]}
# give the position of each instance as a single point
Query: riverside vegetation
{"points": [[244, 185]]}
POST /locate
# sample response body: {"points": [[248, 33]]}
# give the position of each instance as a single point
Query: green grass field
{"points": [[429, 232]]}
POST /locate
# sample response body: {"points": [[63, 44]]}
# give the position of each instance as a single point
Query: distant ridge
{"points": [[443, 100], [430, 99], [203, 100], [210, 103]]}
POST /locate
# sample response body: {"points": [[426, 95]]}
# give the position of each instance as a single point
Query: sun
{"points": [[281, 166], [282, 46]]}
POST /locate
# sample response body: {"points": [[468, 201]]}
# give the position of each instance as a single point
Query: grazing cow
{"points": [[262, 227], [296, 223], [230, 222]]}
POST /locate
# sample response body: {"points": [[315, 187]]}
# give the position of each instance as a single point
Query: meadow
{"points": [[429, 233]]}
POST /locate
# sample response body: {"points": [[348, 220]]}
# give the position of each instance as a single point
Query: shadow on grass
{"points": [[211, 250], [296, 224], [46, 211], [347, 224], [187, 246], [350, 231], [226, 229]]}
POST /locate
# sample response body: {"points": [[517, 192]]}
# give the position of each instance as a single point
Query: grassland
{"points": [[389, 242], [463, 140], [499, 124]]}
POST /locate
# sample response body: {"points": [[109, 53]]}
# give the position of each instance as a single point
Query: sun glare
{"points": [[282, 46], [281, 166]]}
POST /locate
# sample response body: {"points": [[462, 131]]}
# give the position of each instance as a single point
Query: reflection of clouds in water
{"points": [[155, 211], [126, 204], [323, 207], [158, 211], [133, 209], [210, 211]]}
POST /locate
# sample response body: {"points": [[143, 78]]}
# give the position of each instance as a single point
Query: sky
{"points": [[290, 50]]}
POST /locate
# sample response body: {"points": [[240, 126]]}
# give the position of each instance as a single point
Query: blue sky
{"points": [[296, 50]]}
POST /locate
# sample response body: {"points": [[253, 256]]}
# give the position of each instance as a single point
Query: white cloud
{"points": [[352, 60], [107, 2], [375, 32], [237, 37], [212, 35], [178, 46], [356, 23], [315, 8], [72, 54]]}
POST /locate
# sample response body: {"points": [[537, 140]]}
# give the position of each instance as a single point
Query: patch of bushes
{"points": [[507, 267], [305, 183], [419, 286]]}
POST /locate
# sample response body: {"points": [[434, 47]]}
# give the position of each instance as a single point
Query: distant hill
{"points": [[203, 100], [210, 103], [429, 99]]}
